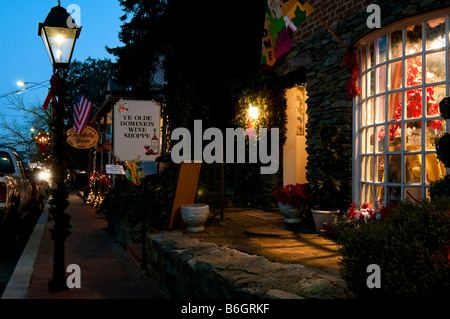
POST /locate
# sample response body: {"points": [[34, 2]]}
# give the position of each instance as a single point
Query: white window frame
{"points": [[358, 100]]}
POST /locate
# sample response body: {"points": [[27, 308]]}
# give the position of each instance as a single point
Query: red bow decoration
{"points": [[351, 64], [42, 147], [54, 82]]}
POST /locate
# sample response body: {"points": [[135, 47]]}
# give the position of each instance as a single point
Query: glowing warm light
{"points": [[58, 54], [20, 83], [253, 112], [59, 39], [44, 175]]}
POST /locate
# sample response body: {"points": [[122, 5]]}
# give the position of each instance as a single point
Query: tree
{"points": [[18, 132], [210, 53], [88, 78]]}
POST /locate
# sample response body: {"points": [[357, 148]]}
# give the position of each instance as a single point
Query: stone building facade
{"points": [[320, 47]]}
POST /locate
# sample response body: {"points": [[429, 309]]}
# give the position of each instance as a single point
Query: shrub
{"points": [[440, 188], [152, 200], [411, 245]]}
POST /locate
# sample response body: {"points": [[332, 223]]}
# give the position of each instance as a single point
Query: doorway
{"points": [[294, 149]]}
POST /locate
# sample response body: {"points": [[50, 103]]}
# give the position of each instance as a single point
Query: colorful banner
{"points": [[283, 17], [134, 172]]}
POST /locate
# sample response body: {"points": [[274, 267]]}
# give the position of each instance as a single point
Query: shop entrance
{"points": [[294, 149]]}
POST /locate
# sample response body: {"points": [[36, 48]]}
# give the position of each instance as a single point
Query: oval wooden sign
{"points": [[85, 140]]}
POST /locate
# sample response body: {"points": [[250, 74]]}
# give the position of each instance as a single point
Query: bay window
{"points": [[404, 73]]}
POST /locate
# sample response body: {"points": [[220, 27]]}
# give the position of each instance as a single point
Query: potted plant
{"points": [[292, 200], [326, 190]]}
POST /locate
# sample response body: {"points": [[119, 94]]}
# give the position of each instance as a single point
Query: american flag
{"points": [[81, 111]]}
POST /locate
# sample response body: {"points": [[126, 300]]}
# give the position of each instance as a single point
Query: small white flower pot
{"points": [[194, 215], [324, 216]]}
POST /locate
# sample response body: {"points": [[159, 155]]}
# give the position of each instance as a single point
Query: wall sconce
{"points": [[253, 112]]}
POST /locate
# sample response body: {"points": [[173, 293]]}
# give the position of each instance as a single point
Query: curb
{"points": [[20, 280]]}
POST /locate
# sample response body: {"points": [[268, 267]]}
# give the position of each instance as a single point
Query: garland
{"points": [[352, 65]]}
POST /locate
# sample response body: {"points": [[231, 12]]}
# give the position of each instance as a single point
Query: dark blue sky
{"points": [[23, 55]]}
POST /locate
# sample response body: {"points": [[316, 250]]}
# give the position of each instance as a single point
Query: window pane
{"points": [[369, 174], [371, 83], [395, 106], [394, 194], [414, 71], [435, 67], [363, 86], [379, 193], [413, 194], [381, 49], [395, 75], [435, 33], [396, 44], [414, 39], [363, 58], [413, 136], [363, 168], [395, 137], [434, 169], [379, 169], [363, 141], [394, 168], [369, 140], [435, 128], [413, 169], [370, 56], [380, 109], [380, 139], [434, 96], [369, 194], [369, 111], [413, 103], [363, 114], [381, 78]]}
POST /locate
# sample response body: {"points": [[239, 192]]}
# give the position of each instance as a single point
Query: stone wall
{"points": [[327, 75]]}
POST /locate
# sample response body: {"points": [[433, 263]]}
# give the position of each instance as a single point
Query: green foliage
{"points": [[440, 188], [411, 246], [89, 78], [327, 190], [444, 107], [443, 149]]}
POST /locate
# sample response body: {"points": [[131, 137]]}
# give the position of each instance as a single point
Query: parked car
{"points": [[15, 192], [39, 189]]}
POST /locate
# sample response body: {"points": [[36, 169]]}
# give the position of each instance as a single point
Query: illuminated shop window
{"points": [[404, 73]]}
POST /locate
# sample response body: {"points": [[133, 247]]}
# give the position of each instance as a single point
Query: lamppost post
{"points": [[59, 33]]}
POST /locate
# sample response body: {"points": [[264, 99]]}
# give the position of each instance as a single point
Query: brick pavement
{"points": [[106, 270]]}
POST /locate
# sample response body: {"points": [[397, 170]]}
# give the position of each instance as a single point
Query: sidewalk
{"points": [[106, 270]]}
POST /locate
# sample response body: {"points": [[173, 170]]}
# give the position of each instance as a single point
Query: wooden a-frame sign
{"points": [[185, 192]]}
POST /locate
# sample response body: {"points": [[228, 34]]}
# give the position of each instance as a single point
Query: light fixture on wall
{"points": [[253, 112]]}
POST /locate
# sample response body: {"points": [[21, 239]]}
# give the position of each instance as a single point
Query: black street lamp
{"points": [[59, 33]]}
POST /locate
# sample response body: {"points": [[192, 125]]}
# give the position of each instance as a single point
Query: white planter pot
{"points": [[194, 215], [324, 216], [291, 215]]}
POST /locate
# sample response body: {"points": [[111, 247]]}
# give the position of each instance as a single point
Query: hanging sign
{"points": [[136, 128], [114, 169], [85, 140]]}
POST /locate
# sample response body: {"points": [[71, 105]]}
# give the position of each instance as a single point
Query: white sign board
{"points": [[115, 169], [136, 129]]}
